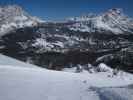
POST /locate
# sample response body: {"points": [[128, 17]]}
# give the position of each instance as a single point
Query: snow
{"points": [[102, 25], [5, 28], [20, 18], [45, 45], [6, 61], [80, 27], [103, 68], [14, 17], [58, 43], [26, 83], [113, 20]]}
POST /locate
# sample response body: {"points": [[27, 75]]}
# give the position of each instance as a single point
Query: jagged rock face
{"points": [[60, 44]]}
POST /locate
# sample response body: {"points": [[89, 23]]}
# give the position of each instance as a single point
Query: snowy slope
{"points": [[21, 83], [7, 61]]}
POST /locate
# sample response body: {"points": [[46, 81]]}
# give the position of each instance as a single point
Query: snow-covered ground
{"points": [[33, 83]]}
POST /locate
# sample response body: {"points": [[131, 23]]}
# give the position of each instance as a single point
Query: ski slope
{"points": [[6, 61], [20, 82]]}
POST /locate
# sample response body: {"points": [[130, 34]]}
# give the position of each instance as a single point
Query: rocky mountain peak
{"points": [[113, 21], [116, 11], [14, 17], [11, 10]]}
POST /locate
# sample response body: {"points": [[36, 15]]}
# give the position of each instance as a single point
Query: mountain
{"points": [[92, 39], [13, 17], [113, 21]]}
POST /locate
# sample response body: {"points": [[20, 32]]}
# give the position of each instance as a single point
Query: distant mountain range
{"points": [[113, 20], [104, 38]]}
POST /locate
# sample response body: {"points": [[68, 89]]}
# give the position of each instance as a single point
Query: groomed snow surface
{"points": [[19, 82]]}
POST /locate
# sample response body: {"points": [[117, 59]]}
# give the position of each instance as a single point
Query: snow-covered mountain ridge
{"points": [[13, 17], [113, 21]]}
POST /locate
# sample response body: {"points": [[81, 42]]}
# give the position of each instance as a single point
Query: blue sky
{"points": [[61, 9]]}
